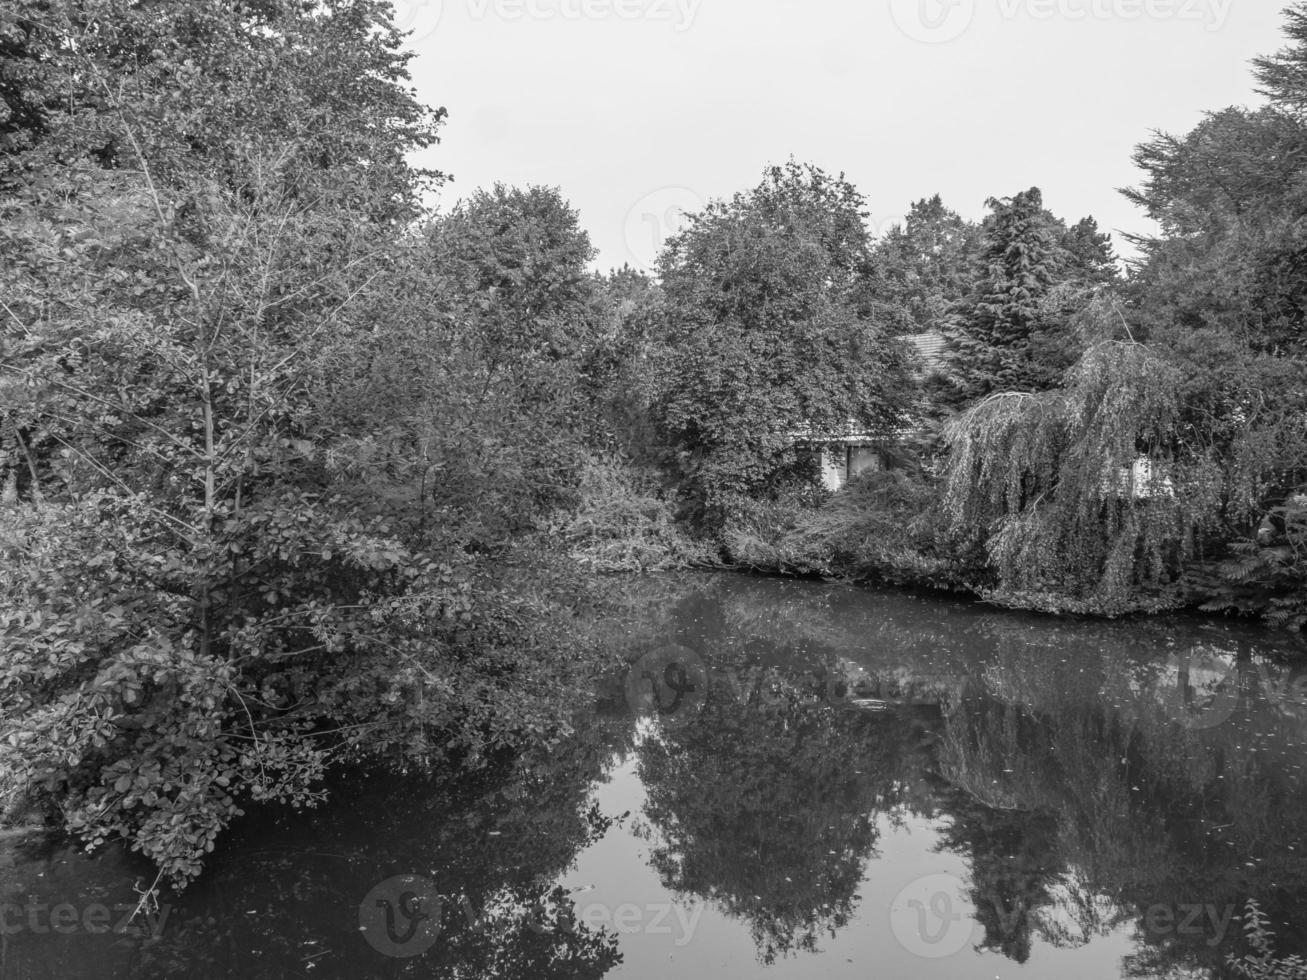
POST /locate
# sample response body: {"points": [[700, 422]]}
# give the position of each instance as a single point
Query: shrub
{"points": [[150, 694], [625, 523], [1263, 964], [886, 526]]}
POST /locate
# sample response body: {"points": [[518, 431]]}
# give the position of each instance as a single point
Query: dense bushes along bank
{"points": [[891, 528]]}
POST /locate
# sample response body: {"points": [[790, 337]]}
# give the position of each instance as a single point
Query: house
{"points": [[930, 347], [853, 452], [1142, 480]]}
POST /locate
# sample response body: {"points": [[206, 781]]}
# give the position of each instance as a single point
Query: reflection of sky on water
{"points": [[615, 872]]}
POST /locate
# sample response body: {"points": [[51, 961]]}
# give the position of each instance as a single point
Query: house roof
{"points": [[930, 347]]}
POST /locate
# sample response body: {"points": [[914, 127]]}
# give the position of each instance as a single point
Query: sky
{"points": [[639, 110]]}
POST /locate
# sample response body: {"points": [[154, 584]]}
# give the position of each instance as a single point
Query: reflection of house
{"points": [[847, 454]]}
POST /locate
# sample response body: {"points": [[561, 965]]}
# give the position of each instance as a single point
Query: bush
{"points": [[758, 536], [150, 694], [885, 526], [1270, 581], [1263, 964], [626, 524]]}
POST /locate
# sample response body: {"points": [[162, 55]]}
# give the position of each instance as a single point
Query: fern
{"points": [[1271, 582]]}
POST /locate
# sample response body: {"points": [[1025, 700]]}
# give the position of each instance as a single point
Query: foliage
{"points": [[1223, 288], [1271, 581], [759, 536], [618, 369], [626, 523], [472, 438], [116, 709], [1228, 197], [767, 338], [515, 259], [924, 267], [235, 555], [1263, 964], [1090, 258], [887, 526], [1081, 493], [1008, 333]]}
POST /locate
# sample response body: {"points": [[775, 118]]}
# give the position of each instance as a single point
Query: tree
{"points": [[991, 346], [1223, 289], [1229, 256], [925, 266], [617, 369], [1072, 520], [516, 259], [1283, 76], [1090, 258], [204, 604], [768, 336], [487, 326]]}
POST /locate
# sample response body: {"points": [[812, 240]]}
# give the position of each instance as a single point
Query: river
{"points": [[786, 780]]}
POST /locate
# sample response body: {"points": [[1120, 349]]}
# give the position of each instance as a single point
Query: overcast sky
{"points": [[639, 108]]}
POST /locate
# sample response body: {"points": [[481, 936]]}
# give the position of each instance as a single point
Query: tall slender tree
{"points": [[1022, 255]]}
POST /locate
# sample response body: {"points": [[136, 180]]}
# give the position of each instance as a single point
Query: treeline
{"points": [[297, 474], [1093, 436]]}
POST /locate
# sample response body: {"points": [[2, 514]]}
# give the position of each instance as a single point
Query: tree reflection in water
{"points": [[1094, 778], [767, 806], [282, 898], [1072, 765]]}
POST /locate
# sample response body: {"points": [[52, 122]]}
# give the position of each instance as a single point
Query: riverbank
{"points": [[887, 528]]}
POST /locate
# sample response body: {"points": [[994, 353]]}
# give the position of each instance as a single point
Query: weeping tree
{"points": [[1088, 497]]}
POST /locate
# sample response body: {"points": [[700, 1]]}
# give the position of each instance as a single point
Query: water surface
{"points": [[787, 779]]}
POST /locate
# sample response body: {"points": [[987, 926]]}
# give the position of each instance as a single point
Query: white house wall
{"points": [[834, 467]]}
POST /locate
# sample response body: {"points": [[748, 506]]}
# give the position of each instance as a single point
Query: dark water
{"points": [[791, 780]]}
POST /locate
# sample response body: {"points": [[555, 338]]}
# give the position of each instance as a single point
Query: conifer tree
{"points": [[1023, 256], [1090, 259], [1283, 76]]}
